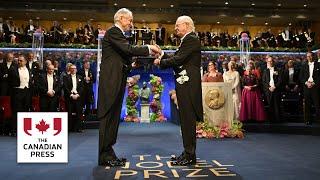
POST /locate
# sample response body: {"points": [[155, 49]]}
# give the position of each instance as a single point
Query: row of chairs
{"points": [[6, 112]]}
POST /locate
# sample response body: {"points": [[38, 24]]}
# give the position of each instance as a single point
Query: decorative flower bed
{"points": [[204, 130]]}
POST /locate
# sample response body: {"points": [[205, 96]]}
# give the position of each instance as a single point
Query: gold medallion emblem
{"points": [[214, 98]]}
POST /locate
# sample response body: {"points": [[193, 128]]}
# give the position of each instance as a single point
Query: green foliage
{"points": [[203, 48]]}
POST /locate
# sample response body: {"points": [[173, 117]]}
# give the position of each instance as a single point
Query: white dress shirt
{"points": [[30, 64], [24, 77], [271, 82], [50, 82], [9, 64], [291, 73], [86, 73], [74, 84], [311, 67]]}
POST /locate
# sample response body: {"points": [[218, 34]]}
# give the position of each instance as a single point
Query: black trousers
{"points": [[87, 97], [74, 106], [48, 104], [20, 102], [109, 125], [311, 96], [188, 119], [273, 99]]}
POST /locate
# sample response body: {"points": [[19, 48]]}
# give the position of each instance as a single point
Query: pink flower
{"points": [[204, 134]]}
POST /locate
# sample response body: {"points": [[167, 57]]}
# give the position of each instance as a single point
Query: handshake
{"points": [[154, 51], [157, 52]]}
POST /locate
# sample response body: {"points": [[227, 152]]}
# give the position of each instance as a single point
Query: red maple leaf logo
{"points": [[42, 126]]}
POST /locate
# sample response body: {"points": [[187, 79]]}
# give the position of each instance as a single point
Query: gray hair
{"points": [[121, 12], [189, 21]]}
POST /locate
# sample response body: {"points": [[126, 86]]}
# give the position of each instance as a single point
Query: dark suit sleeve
{"points": [[187, 47], [120, 43], [280, 81], [302, 74], [285, 77], [66, 83], [80, 86], [57, 85], [265, 82], [93, 77], [43, 88]]}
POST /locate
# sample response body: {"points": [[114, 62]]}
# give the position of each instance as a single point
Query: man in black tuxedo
{"points": [[34, 67], [115, 66], [310, 78], [291, 84], [49, 88], [88, 80], [29, 30], [73, 89], [272, 81], [186, 63], [20, 79], [4, 74], [160, 35]]}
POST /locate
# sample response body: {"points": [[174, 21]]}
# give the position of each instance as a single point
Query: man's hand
{"points": [[155, 49], [134, 65], [272, 88], [248, 87], [50, 93], [156, 62], [310, 84]]}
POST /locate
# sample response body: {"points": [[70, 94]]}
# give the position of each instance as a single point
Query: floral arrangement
{"points": [[204, 130], [156, 105], [132, 98]]}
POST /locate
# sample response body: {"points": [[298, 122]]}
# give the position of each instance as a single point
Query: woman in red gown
{"points": [[251, 103]]}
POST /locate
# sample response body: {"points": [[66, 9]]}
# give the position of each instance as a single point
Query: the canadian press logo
{"points": [[42, 137]]}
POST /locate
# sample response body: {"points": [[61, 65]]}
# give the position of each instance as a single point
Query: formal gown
{"points": [[251, 103], [217, 78], [234, 79]]}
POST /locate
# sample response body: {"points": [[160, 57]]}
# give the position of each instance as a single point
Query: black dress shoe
{"points": [[111, 160], [308, 123], [184, 162], [174, 158], [113, 163]]}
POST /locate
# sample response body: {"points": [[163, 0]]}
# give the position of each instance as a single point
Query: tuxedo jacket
{"points": [[295, 76], [188, 57], [277, 77], [304, 74], [116, 61], [14, 77], [43, 85], [4, 70], [90, 74], [68, 85], [4, 78]]}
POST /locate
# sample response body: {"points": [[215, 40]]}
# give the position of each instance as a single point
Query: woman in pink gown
{"points": [[212, 75], [251, 104]]}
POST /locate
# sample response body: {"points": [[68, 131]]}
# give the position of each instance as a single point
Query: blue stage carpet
{"points": [[257, 156]]}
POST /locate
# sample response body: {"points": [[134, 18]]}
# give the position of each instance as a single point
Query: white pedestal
{"points": [[218, 110], [145, 113]]}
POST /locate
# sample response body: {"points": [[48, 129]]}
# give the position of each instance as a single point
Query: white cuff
{"points": [[149, 49], [162, 54]]}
